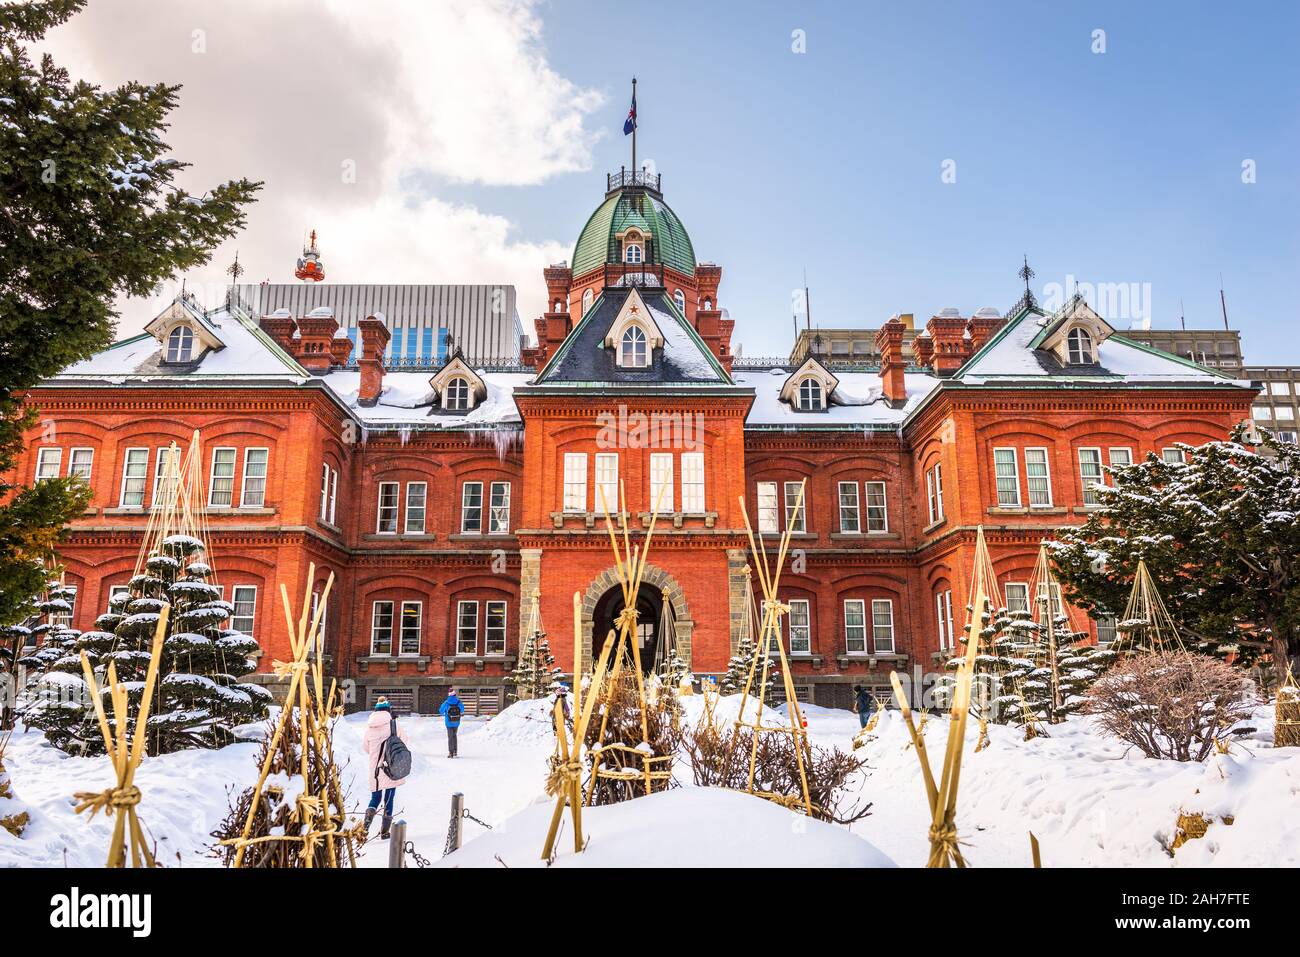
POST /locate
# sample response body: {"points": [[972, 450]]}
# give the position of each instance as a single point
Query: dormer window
{"points": [[633, 351], [632, 253], [180, 344], [456, 396], [1079, 347], [810, 395]]}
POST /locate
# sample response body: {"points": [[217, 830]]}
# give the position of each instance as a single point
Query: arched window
{"points": [[679, 297], [632, 253], [810, 395], [632, 351], [708, 304], [1079, 346], [587, 297], [456, 396], [180, 344], [559, 306]]}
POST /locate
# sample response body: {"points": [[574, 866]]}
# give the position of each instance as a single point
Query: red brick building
{"points": [[446, 498]]}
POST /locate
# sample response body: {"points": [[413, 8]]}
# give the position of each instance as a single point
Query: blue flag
{"points": [[630, 123]]}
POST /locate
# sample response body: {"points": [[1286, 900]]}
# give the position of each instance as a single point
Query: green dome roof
{"points": [[642, 209]]}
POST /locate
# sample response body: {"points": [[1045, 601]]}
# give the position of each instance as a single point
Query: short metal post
{"points": [[457, 820], [397, 844]]}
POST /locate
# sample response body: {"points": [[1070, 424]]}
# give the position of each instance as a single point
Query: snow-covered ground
{"points": [[1088, 802]]}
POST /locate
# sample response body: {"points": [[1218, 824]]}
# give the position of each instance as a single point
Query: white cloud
{"points": [[289, 92]]}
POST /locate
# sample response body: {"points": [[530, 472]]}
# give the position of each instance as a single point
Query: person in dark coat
{"points": [[863, 703], [451, 710]]}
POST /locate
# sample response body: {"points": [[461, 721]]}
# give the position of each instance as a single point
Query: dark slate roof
{"points": [[584, 359]]}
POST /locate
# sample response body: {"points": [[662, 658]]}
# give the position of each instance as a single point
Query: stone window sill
{"points": [[933, 525]]}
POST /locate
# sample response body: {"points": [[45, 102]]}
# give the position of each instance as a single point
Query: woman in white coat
{"points": [[378, 728]]}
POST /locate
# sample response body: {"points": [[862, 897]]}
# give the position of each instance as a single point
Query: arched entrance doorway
{"points": [[673, 623], [650, 626]]}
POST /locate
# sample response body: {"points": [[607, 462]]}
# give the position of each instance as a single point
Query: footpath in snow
{"points": [[1089, 803]]}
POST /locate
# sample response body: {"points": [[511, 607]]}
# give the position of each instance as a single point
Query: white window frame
{"points": [[632, 254], [1007, 497], [693, 483], [805, 629], [850, 517], [661, 482], [235, 616], [796, 519], [461, 627], [934, 492], [212, 476], [606, 484], [1173, 450], [419, 509], [1022, 590], [1106, 625], [159, 466], [633, 352], [679, 300], [329, 487], [812, 394], [142, 478], [943, 614], [877, 514], [489, 642], [575, 482], [455, 395], [400, 629], [882, 633], [1079, 347], [180, 349], [381, 508], [44, 455], [769, 508], [860, 639], [1032, 452], [470, 511], [244, 499], [82, 471], [587, 298], [498, 510], [375, 628], [1086, 484]]}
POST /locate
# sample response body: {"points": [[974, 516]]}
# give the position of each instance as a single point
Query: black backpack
{"points": [[394, 755], [454, 712]]}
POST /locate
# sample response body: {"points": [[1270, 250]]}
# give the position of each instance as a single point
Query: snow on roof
{"points": [[856, 403], [408, 400], [1009, 355], [247, 354]]}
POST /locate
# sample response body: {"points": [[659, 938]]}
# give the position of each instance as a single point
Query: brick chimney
{"points": [[709, 323], [889, 343], [982, 326], [314, 347], [951, 347], [340, 350], [374, 340], [280, 326], [923, 349]]}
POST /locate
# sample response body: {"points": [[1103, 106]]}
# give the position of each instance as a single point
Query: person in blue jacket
{"points": [[451, 710], [863, 704]]}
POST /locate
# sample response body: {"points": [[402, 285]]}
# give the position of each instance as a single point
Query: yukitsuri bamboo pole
{"points": [[630, 561], [121, 801], [769, 580], [568, 789], [944, 849], [311, 728]]}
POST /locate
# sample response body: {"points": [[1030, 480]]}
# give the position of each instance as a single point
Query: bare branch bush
{"points": [[1170, 705]]}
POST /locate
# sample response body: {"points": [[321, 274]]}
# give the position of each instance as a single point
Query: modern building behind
{"points": [[425, 321], [1275, 407]]}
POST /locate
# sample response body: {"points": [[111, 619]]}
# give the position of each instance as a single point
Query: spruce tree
{"points": [[1220, 532], [48, 640], [88, 212], [747, 655], [536, 674]]}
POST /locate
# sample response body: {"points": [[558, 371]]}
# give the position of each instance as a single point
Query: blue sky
{"points": [[1115, 167]]}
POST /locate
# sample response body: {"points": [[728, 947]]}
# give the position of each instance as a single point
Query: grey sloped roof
{"points": [[583, 359]]}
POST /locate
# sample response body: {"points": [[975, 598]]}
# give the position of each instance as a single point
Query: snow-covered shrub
{"points": [[620, 747], [1171, 705]]}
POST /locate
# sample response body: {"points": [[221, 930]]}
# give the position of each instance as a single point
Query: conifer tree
{"points": [[88, 212], [536, 674], [747, 655]]}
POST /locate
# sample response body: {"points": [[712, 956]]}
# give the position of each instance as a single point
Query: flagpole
{"points": [[635, 124]]}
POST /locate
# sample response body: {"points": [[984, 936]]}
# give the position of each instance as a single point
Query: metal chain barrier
{"points": [[420, 859]]}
